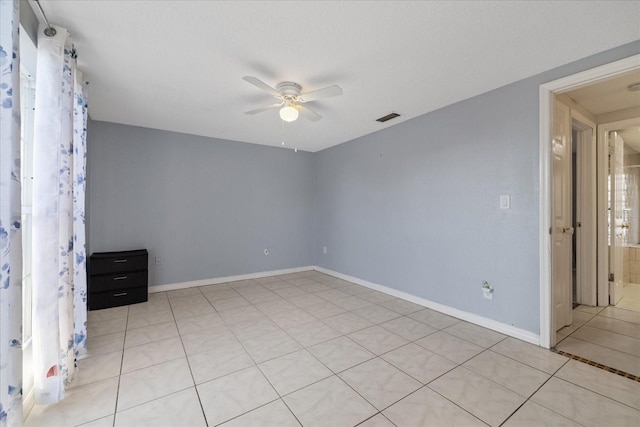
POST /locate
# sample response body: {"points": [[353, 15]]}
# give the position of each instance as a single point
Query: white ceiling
{"points": [[609, 95], [178, 65], [613, 95]]}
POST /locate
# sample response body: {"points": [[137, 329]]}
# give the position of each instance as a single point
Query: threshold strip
{"points": [[597, 365]]}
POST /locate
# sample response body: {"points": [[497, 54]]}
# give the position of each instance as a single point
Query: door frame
{"points": [[547, 91], [586, 215]]}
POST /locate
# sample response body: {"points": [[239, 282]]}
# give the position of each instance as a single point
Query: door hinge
{"points": [[612, 277]]}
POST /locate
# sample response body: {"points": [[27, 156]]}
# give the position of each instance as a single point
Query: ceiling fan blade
{"points": [[261, 109], [326, 92], [308, 114], [262, 85]]}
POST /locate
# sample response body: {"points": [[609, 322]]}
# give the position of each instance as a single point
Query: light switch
{"points": [[505, 201]]}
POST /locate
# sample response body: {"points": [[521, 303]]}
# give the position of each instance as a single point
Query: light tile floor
{"points": [[606, 335], [310, 349], [630, 297]]}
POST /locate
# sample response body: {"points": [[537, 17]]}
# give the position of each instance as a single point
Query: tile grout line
{"points": [[553, 375], [186, 357], [601, 346], [533, 401], [422, 385], [586, 387], [615, 319], [587, 324], [519, 361], [454, 403], [520, 406], [409, 375], [373, 416], [115, 408]]}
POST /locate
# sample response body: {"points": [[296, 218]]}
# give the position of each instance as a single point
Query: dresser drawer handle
{"points": [[119, 260], [120, 278], [121, 294]]}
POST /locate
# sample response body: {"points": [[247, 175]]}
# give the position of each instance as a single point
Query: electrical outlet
{"points": [[505, 201], [487, 290], [158, 262], [324, 250], [266, 252]]}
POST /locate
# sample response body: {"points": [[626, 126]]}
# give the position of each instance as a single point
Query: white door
{"points": [[562, 229], [616, 219]]}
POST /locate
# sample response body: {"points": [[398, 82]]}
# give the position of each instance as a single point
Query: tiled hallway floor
{"points": [[310, 349], [630, 297], [606, 335]]}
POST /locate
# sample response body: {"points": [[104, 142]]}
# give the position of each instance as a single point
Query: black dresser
{"points": [[118, 278]]}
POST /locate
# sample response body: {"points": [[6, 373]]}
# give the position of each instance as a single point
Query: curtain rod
{"points": [[49, 31]]}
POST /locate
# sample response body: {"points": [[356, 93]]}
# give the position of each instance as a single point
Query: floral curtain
{"points": [[59, 269], [10, 231], [80, 114]]}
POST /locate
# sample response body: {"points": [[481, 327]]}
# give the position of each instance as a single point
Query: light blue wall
{"points": [[206, 207], [415, 207]]}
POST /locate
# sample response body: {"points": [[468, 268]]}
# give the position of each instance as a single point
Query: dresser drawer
{"points": [[116, 262], [117, 298], [108, 282]]}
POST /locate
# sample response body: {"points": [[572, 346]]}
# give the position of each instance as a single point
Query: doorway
{"points": [[597, 329], [607, 335], [624, 139], [551, 230], [628, 297]]}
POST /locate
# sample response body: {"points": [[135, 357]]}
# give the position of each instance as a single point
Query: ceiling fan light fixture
{"points": [[288, 113], [291, 100]]}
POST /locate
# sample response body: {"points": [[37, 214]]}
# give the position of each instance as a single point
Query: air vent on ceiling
{"points": [[634, 87], [387, 117]]}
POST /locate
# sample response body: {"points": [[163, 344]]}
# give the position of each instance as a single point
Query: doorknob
{"points": [[567, 230]]}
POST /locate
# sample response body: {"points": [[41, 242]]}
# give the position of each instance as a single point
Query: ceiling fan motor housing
{"points": [[289, 89]]}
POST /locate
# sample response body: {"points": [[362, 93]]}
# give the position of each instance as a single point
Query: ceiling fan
{"points": [[290, 99]]}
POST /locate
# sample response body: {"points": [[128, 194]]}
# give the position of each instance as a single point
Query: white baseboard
{"points": [[218, 280], [503, 328]]}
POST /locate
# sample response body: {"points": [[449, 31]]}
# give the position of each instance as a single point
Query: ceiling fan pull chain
{"points": [[282, 131]]}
